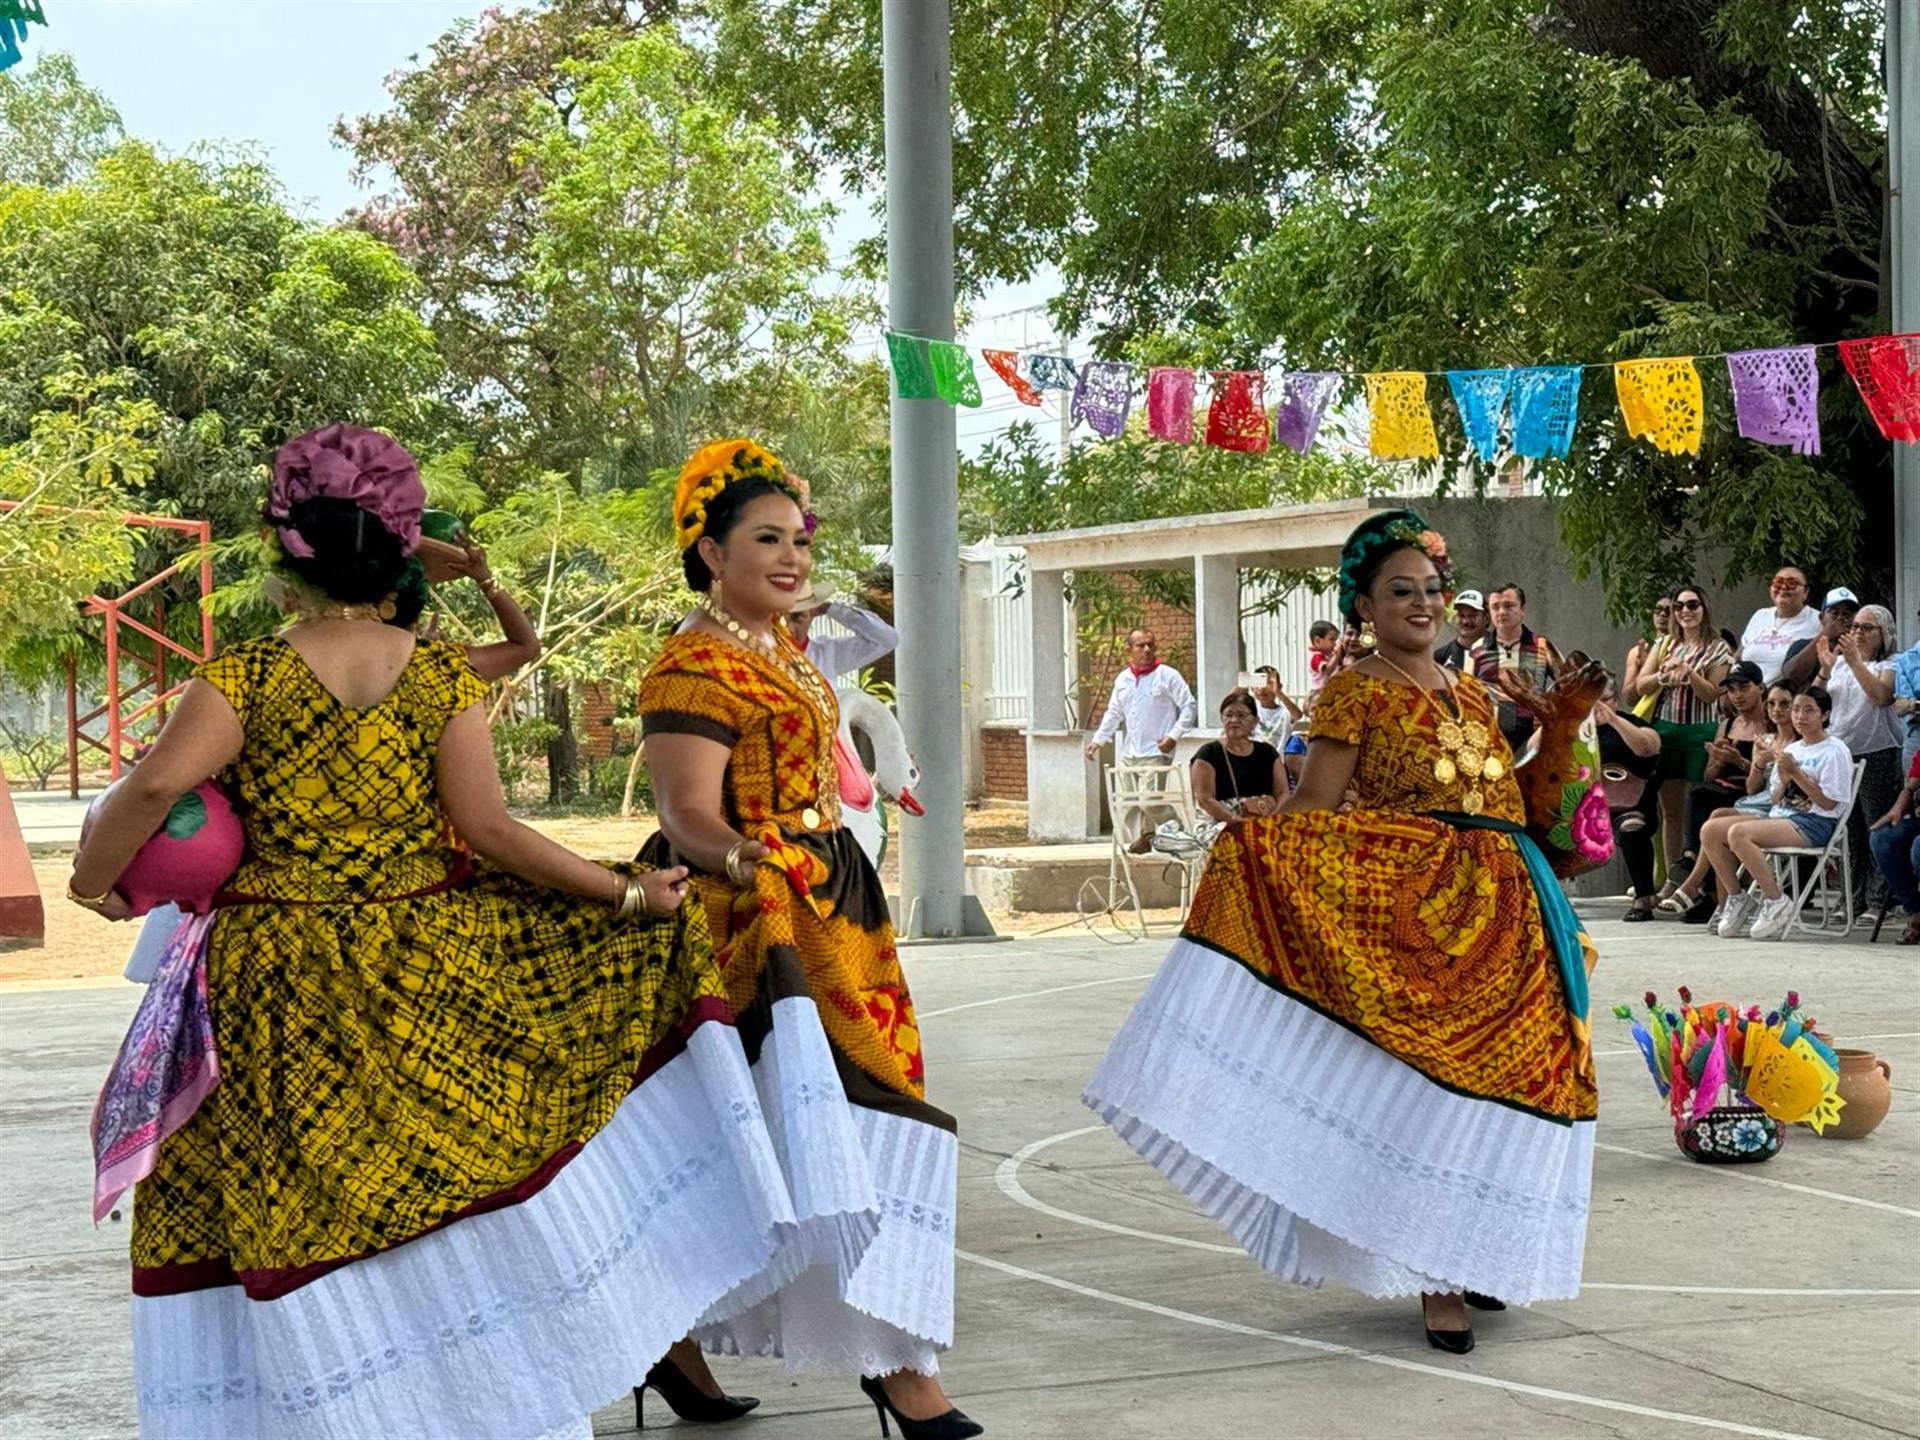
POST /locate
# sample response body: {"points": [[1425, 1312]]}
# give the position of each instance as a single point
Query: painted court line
{"points": [[1035, 994], [1391, 1362], [1727, 1172], [1007, 1179]]}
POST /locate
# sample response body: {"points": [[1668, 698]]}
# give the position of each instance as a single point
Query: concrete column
{"points": [[916, 84], [1216, 627], [1047, 654]]}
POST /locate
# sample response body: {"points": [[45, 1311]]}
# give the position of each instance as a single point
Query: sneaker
{"points": [[1713, 920], [1772, 921], [1736, 915]]}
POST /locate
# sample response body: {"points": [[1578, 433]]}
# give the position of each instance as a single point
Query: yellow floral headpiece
{"points": [[711, 469]]}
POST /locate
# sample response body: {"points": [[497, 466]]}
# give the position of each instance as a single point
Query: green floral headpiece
{"points": [[1389, 530]]}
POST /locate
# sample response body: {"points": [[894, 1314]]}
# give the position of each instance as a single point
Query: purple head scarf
{"points": [[364, 467]]}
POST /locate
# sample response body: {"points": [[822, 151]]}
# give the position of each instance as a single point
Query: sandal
{"points": [[1679, 902], [1635, 913], [1911, 935]]}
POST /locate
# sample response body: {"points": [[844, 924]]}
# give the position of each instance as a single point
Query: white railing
{"points": [[1011, 607]]}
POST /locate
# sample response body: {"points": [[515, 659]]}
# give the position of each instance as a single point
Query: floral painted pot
{"points": [[1730, 1135], [1866, 1084]]}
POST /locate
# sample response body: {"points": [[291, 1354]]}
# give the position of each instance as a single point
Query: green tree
{"points": [[188, 284], [617, 264], [1427, 183], [59, 538], [614, 260], [52, 125]]}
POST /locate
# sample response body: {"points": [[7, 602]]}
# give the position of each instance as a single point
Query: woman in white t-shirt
{"points": [[1858, 672], [1812, 783], [1775, 628]]}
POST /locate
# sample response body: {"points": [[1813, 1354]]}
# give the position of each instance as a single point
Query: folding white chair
{"points": [[1785, 861], [1137, 793]]}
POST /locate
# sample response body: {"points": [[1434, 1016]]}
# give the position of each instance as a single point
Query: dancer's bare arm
{"points": [[469, 782], [201, 738], [689, 776], [1327, 776]]}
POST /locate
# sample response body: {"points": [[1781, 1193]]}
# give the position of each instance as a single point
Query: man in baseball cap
{"points": [[1802, 664], [1469, 624]]}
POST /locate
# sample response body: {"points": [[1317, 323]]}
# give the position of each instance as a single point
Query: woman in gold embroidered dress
{"points": [[739, 731], [1366, 1055], [464, 1124]]}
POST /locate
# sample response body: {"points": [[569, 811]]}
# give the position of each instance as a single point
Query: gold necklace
{"points": [[762, 643], [340, 610], [802, 670], [1467, 746]]}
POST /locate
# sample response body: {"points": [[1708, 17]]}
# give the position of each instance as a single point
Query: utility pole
{"points": [[1903, 251], [917, 74]]}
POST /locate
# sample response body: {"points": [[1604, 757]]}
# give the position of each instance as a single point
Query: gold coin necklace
{"points": [[1466, 747]]}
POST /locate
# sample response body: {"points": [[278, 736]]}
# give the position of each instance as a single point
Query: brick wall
{"points": [[597, 734], [1005, 752]]}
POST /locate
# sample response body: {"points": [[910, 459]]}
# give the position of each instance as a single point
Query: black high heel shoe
{"points": [[950, 1426], [686, 1399], [1454, 1342], [1484, 1302]]}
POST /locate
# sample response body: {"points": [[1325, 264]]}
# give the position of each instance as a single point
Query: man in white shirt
{"points": [[1154, 707], [868, 637], [1775, 629]]}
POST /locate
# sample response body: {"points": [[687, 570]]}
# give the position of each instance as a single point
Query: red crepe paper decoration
{"points": [[1886, 371], [1006, 364], [1170, 404], [1237, 412]]}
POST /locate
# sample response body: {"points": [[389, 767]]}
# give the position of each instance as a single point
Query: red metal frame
{"points": [[114, 609]]}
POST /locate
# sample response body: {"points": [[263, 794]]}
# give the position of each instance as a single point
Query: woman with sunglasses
{"points": [[1686, 714], [1857, 670]]}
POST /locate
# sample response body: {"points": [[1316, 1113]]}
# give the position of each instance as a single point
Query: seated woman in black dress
{"points": [[1629, 756], [1237, 775]]}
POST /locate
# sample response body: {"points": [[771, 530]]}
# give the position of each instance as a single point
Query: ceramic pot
{"points": [[1730, 1135], [1866, 1084]]}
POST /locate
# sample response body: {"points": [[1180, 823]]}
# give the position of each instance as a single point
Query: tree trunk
{"points": [[563, 751]]}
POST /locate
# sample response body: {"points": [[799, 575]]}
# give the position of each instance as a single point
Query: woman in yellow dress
{"points": [[739, 731], [481, 1145], [1366, 1055]]}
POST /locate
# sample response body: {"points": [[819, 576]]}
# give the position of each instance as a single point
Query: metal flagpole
{"points": [[926, 496], [1903, 251]]}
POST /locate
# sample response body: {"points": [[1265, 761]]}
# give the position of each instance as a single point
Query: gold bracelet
{"points": [[95, 903], [490, 587], [633, 900], [732, 865]]}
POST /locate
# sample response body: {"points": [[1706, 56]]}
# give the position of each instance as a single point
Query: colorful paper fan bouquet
{"points": [[1734, 1079]]}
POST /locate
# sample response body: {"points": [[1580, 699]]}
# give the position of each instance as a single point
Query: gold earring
{"points": [[1367, 638]]}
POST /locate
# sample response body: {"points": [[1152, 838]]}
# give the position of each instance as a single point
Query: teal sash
{"points": [[1563, 926]]}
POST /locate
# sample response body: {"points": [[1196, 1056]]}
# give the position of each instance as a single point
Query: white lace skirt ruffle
{"points": [[512, 1323], [867, 1286], [1329, 1159]]}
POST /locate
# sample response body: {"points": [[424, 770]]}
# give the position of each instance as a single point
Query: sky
{"points": [[278, 73]]}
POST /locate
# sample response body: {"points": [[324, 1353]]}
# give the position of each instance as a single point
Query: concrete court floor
{"points": [[1094, 1302]]}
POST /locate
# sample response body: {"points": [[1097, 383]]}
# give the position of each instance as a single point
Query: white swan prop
{"points": [[895, 773]]}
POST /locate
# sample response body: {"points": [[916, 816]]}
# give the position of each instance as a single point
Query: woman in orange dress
{"points": [[739, 729], [1367, 1053]]}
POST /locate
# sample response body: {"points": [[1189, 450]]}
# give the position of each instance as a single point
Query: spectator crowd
{"points": [[1801, 732]]}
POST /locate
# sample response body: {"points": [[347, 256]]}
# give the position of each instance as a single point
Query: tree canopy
{"points": [[1426, 184]]}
